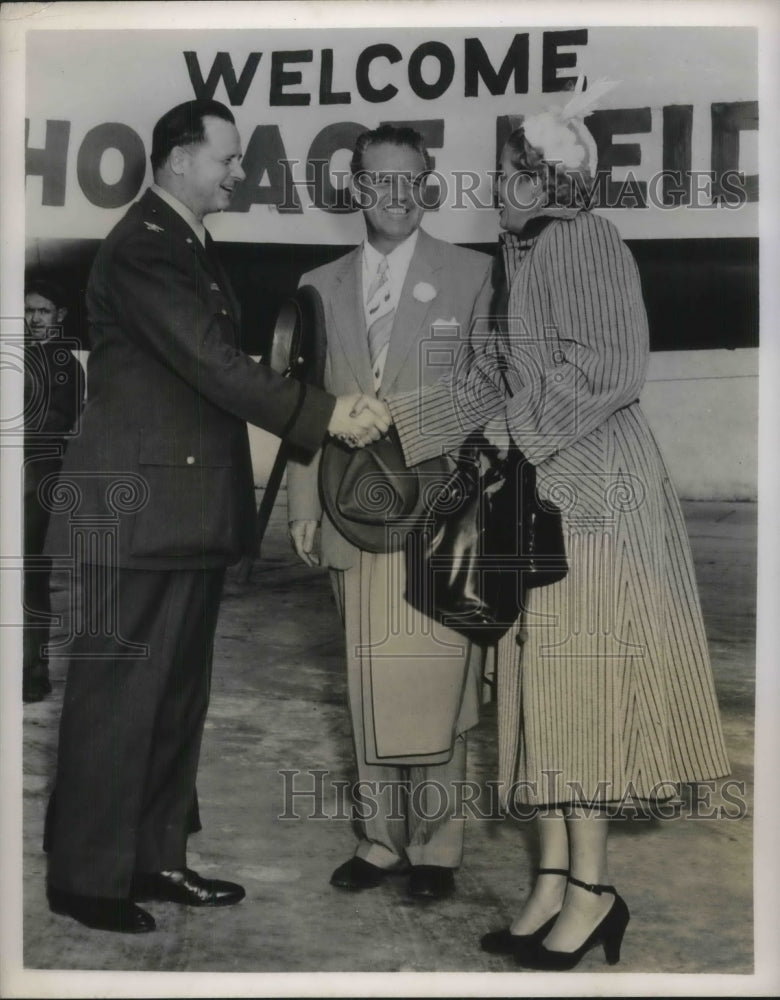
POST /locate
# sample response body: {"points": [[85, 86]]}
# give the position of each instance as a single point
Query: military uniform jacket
{"points": [[162, 467]]}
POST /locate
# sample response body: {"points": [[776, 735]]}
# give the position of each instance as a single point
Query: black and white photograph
{"points": [[387, 604]]}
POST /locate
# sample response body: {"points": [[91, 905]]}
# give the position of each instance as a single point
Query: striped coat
{"points": [[604, 685]]}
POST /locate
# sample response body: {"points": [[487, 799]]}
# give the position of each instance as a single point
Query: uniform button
{"points": [[224, 312], [559, 357], [190, 460]]}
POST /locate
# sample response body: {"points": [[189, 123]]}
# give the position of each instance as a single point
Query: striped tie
{"points": [[380, 313]]}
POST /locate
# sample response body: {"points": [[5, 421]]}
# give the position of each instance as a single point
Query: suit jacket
{"points": [[53, 398], [163, 454], [459, 281], [53, 389]]}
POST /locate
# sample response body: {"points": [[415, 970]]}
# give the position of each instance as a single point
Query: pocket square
{"points": [[445, 322], [214, 286]]}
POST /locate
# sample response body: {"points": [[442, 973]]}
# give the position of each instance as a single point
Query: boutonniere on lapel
{"points": [[154, 227], [424, 292]]}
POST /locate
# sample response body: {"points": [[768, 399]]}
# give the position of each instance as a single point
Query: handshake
{"points": [[358, 420]]}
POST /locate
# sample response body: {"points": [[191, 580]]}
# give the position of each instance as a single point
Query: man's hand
{"points": [[358, 420], [302, 538], [377, 406]]}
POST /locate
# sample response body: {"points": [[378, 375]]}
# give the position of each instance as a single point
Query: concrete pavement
{"points": [[278, 704]]}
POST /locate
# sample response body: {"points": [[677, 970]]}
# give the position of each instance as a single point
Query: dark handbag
{"points": [[487, 539]]}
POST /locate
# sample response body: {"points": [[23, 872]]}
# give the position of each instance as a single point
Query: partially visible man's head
{"points": [[196, 155], [44, 308], [389, 167]]}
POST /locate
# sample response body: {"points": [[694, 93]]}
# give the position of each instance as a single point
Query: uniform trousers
{"points": [[131, 726]]}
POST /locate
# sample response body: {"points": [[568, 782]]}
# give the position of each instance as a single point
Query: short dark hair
{"points": [[393, 135], [183, 126], [47, 288]]}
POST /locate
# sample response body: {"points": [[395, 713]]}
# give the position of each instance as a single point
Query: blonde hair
{"points": [[564, 187]]}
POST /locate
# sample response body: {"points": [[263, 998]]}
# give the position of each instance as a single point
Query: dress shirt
{"points": [[181, 209]]}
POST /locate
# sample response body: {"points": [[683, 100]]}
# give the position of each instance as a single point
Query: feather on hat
{"points": [[560, 134]]}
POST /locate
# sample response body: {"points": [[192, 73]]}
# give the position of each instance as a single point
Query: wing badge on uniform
{"points": [[154, 227]]}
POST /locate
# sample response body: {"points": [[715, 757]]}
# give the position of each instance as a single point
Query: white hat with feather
{"points": [[561, 136]]}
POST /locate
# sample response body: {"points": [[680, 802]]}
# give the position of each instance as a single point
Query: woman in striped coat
{"points": [[605, 691]]}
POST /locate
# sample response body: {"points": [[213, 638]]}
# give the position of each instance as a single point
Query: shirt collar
{"points": [[181, 209], [398, 259]]}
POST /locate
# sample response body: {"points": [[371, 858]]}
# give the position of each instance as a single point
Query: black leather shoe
{"points": [[120, 915], [504, 942], [35, 688], [186, 887], [608, 933], [431, 882], [358, 874]]}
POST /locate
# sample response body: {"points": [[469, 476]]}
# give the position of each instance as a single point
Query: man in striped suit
{"points": [[413, 689]]}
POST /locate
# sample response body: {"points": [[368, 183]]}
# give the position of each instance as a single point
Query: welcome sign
{"points": [[677, 134]]}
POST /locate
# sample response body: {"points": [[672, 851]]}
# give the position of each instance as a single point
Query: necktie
{"points": [[380, 313]]}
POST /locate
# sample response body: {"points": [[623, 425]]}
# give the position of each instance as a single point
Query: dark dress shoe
{"points": [[608, 933], [186, 887], [35, 688], [120, 915], [431, 882], [358, 874], [504, 942]]}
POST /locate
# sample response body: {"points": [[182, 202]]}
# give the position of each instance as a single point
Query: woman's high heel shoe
{"points": [[504, 942], [608, 933]]}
